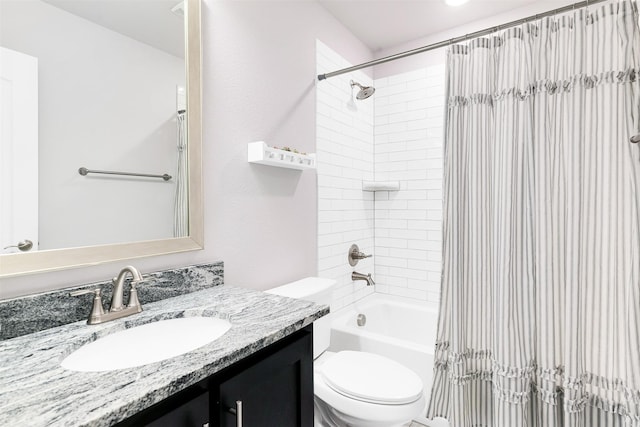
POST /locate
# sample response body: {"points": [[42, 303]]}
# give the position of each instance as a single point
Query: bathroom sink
{"points": [[146, 344]]}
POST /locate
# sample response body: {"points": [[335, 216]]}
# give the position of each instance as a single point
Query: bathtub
{"points": [[399, 328]]}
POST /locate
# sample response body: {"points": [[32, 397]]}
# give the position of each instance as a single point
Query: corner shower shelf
{"points": [[380, 185], [259, 152]]}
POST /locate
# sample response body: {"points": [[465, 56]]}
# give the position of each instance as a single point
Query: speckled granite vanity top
{"points": [[36, 391]]}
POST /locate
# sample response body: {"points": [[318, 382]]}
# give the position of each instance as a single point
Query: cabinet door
{"points": [[275, 391], [187, 408], [193, 413]]}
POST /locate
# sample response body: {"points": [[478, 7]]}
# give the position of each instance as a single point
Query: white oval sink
{"points": [[146, 344]]}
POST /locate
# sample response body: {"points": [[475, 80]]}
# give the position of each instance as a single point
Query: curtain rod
{"points": [[459, 39]]}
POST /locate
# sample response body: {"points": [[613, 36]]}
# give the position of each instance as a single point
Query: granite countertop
{"points": [[36, 391]]}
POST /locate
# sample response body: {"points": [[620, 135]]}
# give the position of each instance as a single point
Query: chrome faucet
{"points": [[366, 277], [116, 310]]}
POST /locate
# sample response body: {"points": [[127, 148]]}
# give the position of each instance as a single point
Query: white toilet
{"points": [[354, 388]]}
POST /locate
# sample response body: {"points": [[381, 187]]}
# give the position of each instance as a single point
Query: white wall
{"points": [[409, 113], [396, 135], [345, 158], [259, 77], [106, 102]]}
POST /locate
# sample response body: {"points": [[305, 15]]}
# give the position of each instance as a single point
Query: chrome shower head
{"points": [[364, 92]]}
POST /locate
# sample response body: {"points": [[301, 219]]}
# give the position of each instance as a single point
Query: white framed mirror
{"points": [[104, 218]]}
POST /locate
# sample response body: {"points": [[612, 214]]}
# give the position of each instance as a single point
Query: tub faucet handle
{"points": [[355, 255], [360, 255]]}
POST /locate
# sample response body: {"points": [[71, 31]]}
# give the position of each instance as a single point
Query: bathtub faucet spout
{"points": [[366, 277]]}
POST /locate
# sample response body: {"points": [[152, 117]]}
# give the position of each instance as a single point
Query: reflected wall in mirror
{"points": [[101, 85]]}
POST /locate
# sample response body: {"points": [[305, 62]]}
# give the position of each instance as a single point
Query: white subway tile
{"points": [[391, 262], [407, 273], [424, 244], [406, 116], [418, 104], [409, 235], [402, 228], [391, 243]]}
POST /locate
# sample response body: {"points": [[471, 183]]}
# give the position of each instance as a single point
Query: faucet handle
{"points": [[360, 255], [133, 296], [97, 311], [355, 255]]}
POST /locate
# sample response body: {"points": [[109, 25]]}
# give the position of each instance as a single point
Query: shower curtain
{"points": [[540, 308], [181, 203]]}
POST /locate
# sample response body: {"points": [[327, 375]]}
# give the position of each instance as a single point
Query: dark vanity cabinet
{"points": [[271, 388], [274, 389]]}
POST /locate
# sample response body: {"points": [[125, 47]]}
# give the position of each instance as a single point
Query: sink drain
{"points": [[361, 320]]}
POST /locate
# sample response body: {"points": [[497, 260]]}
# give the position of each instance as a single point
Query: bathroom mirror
{"points": [[123, 113]]}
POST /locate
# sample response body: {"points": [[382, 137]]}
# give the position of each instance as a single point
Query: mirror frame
{"points": [[17, 264]]}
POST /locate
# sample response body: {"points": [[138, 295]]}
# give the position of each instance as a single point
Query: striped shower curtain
{"points": [[540, 311]]}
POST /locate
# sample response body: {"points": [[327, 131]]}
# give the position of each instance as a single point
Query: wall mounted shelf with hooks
{"points": [[380, 185], [259, 152]]}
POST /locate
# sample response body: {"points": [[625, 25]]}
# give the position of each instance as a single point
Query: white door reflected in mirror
{"points": [[18, 151]]}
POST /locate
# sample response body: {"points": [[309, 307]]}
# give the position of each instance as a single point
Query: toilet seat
{"points": [[371, 378], [355, 411]]}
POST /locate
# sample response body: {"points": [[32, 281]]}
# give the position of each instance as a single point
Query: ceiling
{"points": [[163, 28], [381, 24]]}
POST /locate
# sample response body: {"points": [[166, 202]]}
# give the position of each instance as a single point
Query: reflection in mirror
{"points": [[105, 96], [85, 85]]}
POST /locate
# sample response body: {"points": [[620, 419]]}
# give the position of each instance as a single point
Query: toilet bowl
{"points": [[354, 388]]}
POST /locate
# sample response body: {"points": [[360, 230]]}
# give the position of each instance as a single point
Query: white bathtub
{"points": [[399, 328]]}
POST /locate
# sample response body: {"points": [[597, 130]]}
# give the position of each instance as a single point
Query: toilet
{"points": [[354, 388]]}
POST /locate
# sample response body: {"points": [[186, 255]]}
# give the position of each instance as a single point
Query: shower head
{"points": [[364, 92], [635, 138]]}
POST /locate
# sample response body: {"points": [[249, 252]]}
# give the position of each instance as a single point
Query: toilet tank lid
{"points": [[303, 288]]}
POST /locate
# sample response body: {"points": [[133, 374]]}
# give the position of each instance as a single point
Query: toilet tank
{"points": [[318, 290]]}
